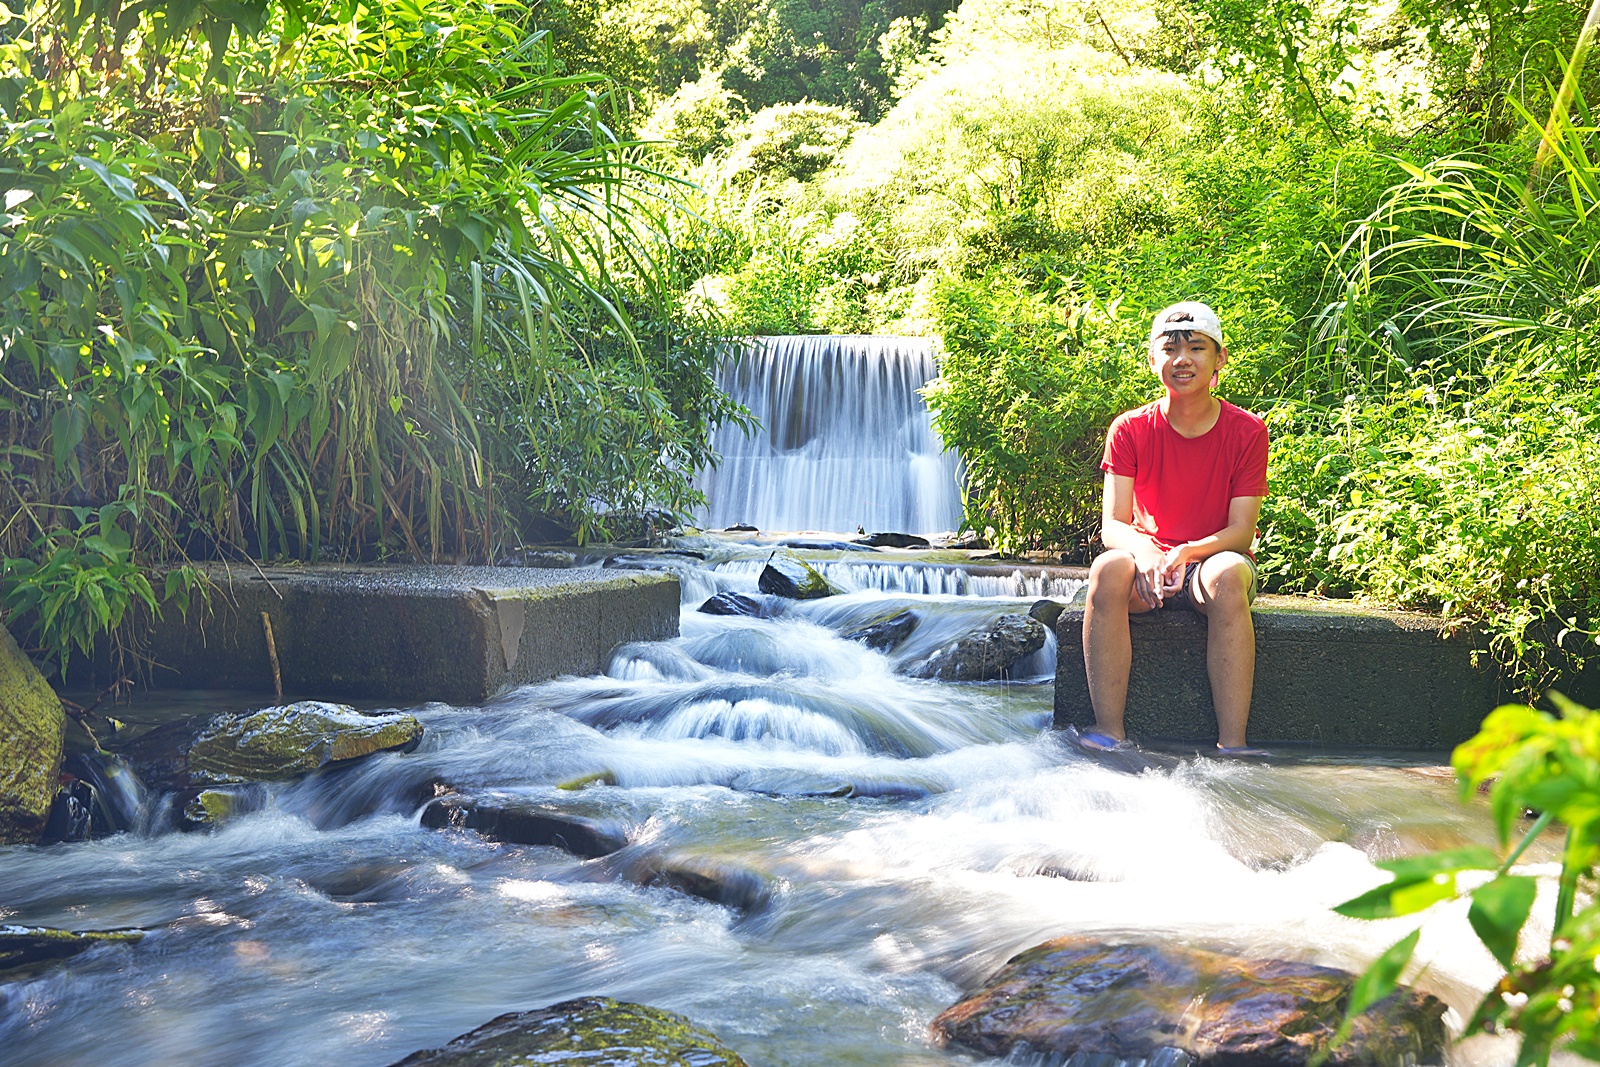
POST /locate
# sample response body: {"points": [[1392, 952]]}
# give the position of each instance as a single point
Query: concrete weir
{"points": [[411, 633], [1328, 673]]}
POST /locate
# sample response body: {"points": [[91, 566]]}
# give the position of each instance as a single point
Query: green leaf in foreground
{"points": [[1378, 981], [1419, 883], [1499, 908]]}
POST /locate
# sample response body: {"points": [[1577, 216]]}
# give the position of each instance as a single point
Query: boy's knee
{"points": [[1228, 587], [1112, 568]]}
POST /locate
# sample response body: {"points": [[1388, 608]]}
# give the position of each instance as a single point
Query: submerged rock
{"points": [[983, 654], [713, 878], [785, 782], [28, 948], [733, 604], [740, 527], [592, 1031], [822, 544], [887, 633], [795, 579], [893, 540], [267, 745], [31, 724], [525, 822], [1075, 996]]}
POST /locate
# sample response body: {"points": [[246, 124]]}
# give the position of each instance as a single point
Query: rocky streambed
{"points": [[781, 838]]}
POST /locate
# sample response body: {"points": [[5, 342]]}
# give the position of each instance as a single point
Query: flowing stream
{"points": [[331, 927]]}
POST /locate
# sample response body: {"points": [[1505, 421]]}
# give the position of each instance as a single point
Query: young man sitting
{"points": [[1184, 481]]}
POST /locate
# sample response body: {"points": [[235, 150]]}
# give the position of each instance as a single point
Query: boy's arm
{"points": [[1243, 512], [1116, 531]]}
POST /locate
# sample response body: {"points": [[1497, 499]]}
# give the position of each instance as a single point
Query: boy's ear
{"points": [[1222, 356]]}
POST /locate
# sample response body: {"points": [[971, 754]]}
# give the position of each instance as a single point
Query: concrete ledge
{"points": [[1326, 672], [410, 633]]}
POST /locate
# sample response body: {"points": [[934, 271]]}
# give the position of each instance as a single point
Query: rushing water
{"points": [[331, 927], [845, 439]]}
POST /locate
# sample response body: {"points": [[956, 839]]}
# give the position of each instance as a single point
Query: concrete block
{"points": [[409, 633], [1326, 672]]}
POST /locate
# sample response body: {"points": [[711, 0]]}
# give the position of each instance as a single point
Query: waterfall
{"points": [[845, 439]]}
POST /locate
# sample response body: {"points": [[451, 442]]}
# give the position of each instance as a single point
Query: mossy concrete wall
{"points": [[1326, 672], [30, 745], [410, 633]]}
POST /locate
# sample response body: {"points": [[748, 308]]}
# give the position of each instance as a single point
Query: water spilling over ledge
{"points": [[845, 439]]}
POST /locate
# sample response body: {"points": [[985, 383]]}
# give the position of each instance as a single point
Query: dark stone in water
{"points": [[712, 878], [30, 948], [1079, 997], [119, 797], [1047, 611], [740, 527], [983, 654], [268, 745], [523, 822], [71, 814], [818, 545], [893, 540], [780, 782], [591, 1032], [886, 634], [733, 604], [795, 579]]}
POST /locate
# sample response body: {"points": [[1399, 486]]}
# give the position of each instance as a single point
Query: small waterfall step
{"points": [[845, 440]]}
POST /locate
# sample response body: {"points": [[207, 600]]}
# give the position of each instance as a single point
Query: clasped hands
{"points": [[1160, 574]]}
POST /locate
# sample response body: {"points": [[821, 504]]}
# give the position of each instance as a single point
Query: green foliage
{"points": [[1551, 995], [281, 315], [1025, 392], [790, 141]]}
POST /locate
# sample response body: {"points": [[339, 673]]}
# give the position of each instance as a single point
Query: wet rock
{"points": [[1075, 996], [71, 813], [733, 604], [893, 540], [740, 527], [592, 1031], [31, 724], [207, 809], [267, 745], [795, 579], [584, 781], [525, 822], [712, 878], [983, 654], [31, 948], [120, 800], [820, 545], [783, 782], [886, 634], [1047, 612], [549, 559]]}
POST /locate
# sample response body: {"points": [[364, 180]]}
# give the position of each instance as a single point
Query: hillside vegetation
{"points": [[1405, 274]]}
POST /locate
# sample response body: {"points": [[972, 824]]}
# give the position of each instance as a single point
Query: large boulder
{"points": [[31, 723], [25, 949], [271, 744], [984, 654], [1076, 996], [787, 576], [887, 633], [525, 822], [592, 1032]]}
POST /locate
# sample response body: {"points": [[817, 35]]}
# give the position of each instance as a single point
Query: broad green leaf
{"points": [[1383, 977], [1499, 910]]}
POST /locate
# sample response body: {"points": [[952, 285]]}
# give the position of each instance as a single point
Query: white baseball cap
{"points": [[1186, 316]]}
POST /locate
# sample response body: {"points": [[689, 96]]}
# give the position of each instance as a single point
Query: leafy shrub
{"points": [[1026, 389]]}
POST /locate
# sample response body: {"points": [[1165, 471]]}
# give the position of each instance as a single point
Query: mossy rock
{"points": [[886, 633], [31, 724], [1076, 997], [31, 948], [788, 576], [271, 744], [592, 1031]]}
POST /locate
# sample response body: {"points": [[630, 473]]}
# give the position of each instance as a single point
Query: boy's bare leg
{"points": [[1107, 646], [1220, 590]]}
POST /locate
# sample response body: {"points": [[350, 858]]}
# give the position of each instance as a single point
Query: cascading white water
{"points": [[845, 439]]}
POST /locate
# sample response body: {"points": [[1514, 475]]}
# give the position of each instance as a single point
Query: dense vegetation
{"points": [[1406, 275], [384, 285]]}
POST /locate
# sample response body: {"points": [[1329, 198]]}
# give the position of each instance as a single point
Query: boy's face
{"points": [[1187, 367]]}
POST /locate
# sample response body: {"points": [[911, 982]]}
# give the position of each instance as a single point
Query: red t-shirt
{"points": [[1182, 485]]}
